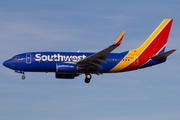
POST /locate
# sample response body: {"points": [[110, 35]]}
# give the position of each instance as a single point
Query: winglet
{"points": [[118, 41]]}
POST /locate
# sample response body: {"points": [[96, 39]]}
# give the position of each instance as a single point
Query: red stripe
{"points": [[118, 41]]}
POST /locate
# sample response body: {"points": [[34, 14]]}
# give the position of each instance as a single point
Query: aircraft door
{"points": [[136, 61], [28, 58]]}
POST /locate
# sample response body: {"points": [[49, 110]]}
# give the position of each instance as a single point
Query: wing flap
{"points": [[100, 60]]}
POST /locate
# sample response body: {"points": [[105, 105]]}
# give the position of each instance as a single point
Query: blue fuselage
{"points": [[47, 61]]}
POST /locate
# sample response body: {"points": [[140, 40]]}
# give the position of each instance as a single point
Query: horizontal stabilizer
{"points": [[163, 55]]}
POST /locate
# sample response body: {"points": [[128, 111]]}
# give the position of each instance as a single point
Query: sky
{"points": [[88, 26]]}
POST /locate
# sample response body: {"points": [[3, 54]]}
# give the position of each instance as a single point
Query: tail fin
{"points": [[153, 46], [156, 42]]}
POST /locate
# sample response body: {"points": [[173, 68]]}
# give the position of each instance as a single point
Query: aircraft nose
{"points": [[6, 64]]}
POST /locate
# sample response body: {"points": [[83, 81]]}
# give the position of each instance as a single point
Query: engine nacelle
{"points": [[66, 67], [66, 76]]}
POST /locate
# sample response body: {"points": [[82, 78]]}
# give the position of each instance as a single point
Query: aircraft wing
{"points": [[94, 61]]}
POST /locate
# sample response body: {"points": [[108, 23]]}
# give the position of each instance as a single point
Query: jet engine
{"points": [[65, 67]]}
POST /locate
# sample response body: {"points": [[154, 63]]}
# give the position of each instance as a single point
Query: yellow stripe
{"points": [[136, 52], [128, 59], [151, 37], [119, 37]]}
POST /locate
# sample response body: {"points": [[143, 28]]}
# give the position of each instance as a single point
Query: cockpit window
{"points": [[16, 57]]}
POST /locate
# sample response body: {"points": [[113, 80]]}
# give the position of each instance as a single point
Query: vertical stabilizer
{"points": [[154, 45], [156, 42]]}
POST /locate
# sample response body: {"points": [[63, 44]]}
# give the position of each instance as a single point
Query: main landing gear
{"points": [[88, 78]]}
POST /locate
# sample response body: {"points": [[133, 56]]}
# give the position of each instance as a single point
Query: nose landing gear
{"points": [[23, 77], [88, 78]]}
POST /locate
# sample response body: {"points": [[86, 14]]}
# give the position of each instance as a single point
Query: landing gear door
{"points": [[28, 58]]}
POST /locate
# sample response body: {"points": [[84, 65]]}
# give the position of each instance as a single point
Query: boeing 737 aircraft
{"points": [[68, 65]]}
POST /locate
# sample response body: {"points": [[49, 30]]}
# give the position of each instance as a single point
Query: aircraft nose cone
{"points": [[6, 64]]}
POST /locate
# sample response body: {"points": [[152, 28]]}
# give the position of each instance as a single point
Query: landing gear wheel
{"points": [[23, 77], [88, 78]]}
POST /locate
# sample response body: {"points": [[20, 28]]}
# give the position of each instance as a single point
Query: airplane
{"points": [[68, 65]]}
